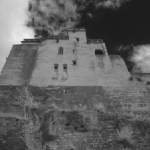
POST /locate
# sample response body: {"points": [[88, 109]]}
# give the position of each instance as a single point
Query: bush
{"points": [[125, 136]]}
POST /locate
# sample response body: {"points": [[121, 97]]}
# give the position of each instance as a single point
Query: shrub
{"points": [[125, 136]]}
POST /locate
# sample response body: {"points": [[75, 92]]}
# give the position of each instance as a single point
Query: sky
{"points": [[126, 25], [13, 15]]}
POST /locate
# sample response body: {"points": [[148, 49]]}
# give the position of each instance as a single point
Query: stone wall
{"points": [[76, 117], [93, 105], [19, 65], [90, 69]]}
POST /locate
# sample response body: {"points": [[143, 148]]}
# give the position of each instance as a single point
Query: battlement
{"points": [[31, 41], [95, 41], [64, 35], [76, 29], [58, 37]]}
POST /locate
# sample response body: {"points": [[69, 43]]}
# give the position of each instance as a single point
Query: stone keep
{"points": [[67, 93]]}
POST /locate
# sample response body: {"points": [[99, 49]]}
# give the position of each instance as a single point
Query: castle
{"points": [[70, 61], [67, 93]]}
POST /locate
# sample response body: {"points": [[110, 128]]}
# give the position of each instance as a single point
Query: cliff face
{"points": [[91, 105]]}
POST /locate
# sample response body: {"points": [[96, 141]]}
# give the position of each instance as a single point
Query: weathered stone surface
{"points": [[81, 118], [90, 70], [19, 65], [95, 104]]}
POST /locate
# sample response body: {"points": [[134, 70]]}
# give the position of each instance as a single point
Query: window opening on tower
{"points": [[65, 67], [77, 39], [55, 67], [74, 62], [60, 51], [99, 52], [57, 40]]}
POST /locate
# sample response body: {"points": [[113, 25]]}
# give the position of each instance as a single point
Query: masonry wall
{"points": [[19, 65], [93, 105], [34, 64], [95, 117], [90, 70], [75, 117]]}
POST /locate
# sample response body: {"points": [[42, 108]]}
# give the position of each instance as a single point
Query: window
{"points": [[57, 40], [60, 51], [55, 67], [99, 52], [65, 67], [74, 62], [65, 91], [77, 39]]}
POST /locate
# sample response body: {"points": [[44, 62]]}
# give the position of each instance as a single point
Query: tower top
{"points": [[68, 59], [64, 35]]}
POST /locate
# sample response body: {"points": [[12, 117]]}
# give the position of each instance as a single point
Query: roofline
{"points": [[69, 29]]}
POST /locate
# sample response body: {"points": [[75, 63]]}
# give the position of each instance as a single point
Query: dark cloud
{"points": [[127, 23]]}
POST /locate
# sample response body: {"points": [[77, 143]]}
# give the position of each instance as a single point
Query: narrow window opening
{"points": [[57, 40], [65, 67], [77, 39], [99, 52], [65, 91], [55, 67], [74, 62], [60, 51]]}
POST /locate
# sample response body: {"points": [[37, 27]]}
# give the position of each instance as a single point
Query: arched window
{"points": [[60, 51]]}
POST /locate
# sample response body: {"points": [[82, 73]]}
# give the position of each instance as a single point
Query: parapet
{"points": [[64, 35], [27, 41], [95, 41], [76, 29]]}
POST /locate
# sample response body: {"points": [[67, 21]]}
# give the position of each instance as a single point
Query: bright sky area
{"points": [[13, 14]]}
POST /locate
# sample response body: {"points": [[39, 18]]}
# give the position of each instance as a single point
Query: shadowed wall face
{"points": [[19, 65]]}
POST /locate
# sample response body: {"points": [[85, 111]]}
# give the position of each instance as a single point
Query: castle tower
{"points": [[68, 60], [67, 93]]}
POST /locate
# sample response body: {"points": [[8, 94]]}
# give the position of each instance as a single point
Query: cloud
{"points": [[52, 15], [13, 15], [114, 4], [141, 58]]}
